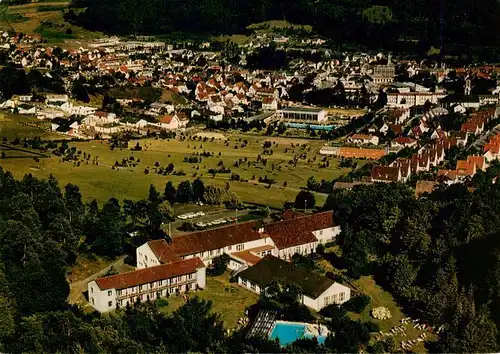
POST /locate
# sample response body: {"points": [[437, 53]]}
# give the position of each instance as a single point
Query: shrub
{"points": [[320, 249], [219, 264], [357, 304], [187, 226], [161, 302], [372, 327], [335, 312]]}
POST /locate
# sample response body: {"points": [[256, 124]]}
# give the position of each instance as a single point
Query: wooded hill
{"points": [[391, 24]]}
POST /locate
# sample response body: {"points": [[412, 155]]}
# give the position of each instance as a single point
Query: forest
{"points": [[438, 256], [396, 25]]}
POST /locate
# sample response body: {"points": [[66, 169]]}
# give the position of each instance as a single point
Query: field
{"points": [[45, 18], [102, 182], [228, 299], [16, 126], [350, 112]]}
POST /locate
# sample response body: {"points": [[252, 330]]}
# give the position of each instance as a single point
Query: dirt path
{"points": [[79, 287]]}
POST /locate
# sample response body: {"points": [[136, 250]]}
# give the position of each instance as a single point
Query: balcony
{"points": [[154, 289]]}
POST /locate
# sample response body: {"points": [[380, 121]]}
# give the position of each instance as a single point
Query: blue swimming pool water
{"points": [[288, 333]]}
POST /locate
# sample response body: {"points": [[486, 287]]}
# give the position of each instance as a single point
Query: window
{"points": [[92, 289], [320, 232], [146, 258], [118, 292], [335, 300], [341, 297], [109, 292], [151, 285], [229, 248], [240, 247], [252, 286], [93, 302], [190, 276], [140, 287], [110, 303], [211, 252]]}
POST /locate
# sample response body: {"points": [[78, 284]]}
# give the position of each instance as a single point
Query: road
{"points": [[77, 288]]}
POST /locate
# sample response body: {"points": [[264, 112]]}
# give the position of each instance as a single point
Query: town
{"points": [[300, 198]]}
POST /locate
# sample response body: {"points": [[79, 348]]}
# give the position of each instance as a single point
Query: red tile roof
{"points": [[298, 231], [290, 214], [148, 275], [205, 240]]}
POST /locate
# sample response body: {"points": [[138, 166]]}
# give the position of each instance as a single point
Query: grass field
{"points": [[101, 182], [228, 299], [18, 126], [351, 112]]}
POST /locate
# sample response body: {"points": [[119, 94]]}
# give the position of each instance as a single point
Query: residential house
{"points": [[269, 104], [403, 141], [386, 174], [317, 291], [169, 122], [149, 284], [363, 139]]}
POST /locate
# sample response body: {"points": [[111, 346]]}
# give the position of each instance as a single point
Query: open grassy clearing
{"points": [[380, 297], [85, 270], [17, 126], [352, 112], [101, 182], [277, 24], [228, 299]]}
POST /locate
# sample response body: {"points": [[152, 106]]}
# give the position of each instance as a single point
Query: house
{"points": [[149, 284], [424, 187], [403, 141], [169, 122], [26, 109], [386, 174], [317, 291], [53, 98], [269, 104], [364, 139]]}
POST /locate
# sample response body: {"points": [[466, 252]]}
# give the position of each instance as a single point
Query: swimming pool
{"points": [[289, 332]]}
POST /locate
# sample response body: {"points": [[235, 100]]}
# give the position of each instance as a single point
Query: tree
{"points": [[214, 195], [198, 189], [74, 205], [219, 264], [170, 193], [154, 196], [305, 200], [110, 230], [80, 92], [195, 328], [185, 192]]}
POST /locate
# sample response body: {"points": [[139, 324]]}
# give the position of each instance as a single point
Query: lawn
{"points": [[102, 182], [380, 297], [18, 126], [228, 299]]}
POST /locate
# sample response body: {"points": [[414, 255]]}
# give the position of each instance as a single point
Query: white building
{"points": [[115, 291], [318, 291], [302, 114], [246, 242], [410, 99]]}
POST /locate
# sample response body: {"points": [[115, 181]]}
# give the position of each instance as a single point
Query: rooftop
{"points": [[302, 109], [148, 275], [271, 269]]}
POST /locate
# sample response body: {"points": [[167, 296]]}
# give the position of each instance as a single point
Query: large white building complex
{"points": [[167, 267], [302, 114]]}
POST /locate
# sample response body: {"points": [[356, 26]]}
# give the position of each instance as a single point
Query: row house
{"points": [[244, 241], [386, 174], [149, 284], [492, 148], [464, 169]]}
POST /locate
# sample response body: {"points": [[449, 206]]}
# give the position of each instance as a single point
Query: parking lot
{"points": [[204, 220]]}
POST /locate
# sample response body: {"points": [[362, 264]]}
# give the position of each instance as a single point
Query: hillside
{"points": [[397, 25]]}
